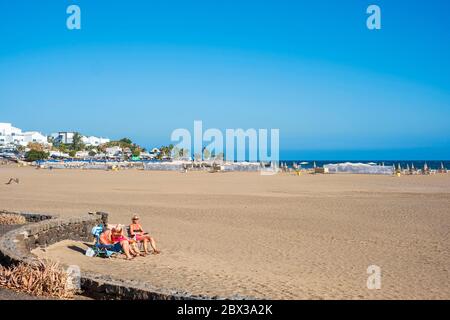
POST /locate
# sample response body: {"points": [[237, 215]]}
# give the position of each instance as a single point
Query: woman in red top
{"points": [[115, 236], [137, 232]]}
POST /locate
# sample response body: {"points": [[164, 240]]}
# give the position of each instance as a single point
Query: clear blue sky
{"points": [[310, 68]]}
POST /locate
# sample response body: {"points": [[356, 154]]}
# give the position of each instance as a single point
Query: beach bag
{"points": [[90, 252]]}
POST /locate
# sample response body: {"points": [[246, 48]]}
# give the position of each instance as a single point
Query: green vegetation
{"points": [[165, 151], [178, 153], [136, 152], [20, 148], [122, 143], [37, 152], [62, 148], [206, 154], [76, 145], [126, 145], [126, 141], [35, 155], [77, 142]]}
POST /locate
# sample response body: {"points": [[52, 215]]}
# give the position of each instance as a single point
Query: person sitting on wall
{"points": [[116, 238], [137, 233]]}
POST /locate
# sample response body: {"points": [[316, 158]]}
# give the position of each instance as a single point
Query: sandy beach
{"points": [[281, 237]]}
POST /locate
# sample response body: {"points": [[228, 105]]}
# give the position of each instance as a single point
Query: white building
{"points": [[58, 154], [34, 136], [10, 135], [65, 137], [6, 129], [62, 137], [81, 154], [113, 151], [147, 155], [94, 141]]}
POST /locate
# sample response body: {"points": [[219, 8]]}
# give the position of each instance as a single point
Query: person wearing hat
{"points": [[137, 232]]}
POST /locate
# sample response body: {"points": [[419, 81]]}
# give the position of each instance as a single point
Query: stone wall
{"points": [[15, 247], [31, 217]]}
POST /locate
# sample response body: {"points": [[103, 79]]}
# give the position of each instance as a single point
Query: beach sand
{"points": [[281, 237]]}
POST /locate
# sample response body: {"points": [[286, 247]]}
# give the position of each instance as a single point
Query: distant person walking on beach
{"points": [[115, 237], [137, 232]]}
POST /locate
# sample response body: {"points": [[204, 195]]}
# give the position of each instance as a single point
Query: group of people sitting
{"points": [[129, 244]]}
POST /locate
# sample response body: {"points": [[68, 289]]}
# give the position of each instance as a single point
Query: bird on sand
{"points": [[11, 180]]}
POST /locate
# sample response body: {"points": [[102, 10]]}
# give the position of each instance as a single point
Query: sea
{"points": [[418, 164], [306, 164]]}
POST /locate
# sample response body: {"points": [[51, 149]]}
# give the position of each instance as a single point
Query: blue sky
{"points": [[335, 89]]}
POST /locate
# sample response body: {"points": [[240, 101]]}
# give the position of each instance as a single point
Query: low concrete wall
{"points": [[15, 247]]}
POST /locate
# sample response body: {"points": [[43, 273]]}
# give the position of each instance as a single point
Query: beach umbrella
{"points": [[399, 167], [407, 167], [425, 167], [315, 165], [442, 166], [412, 166]]}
